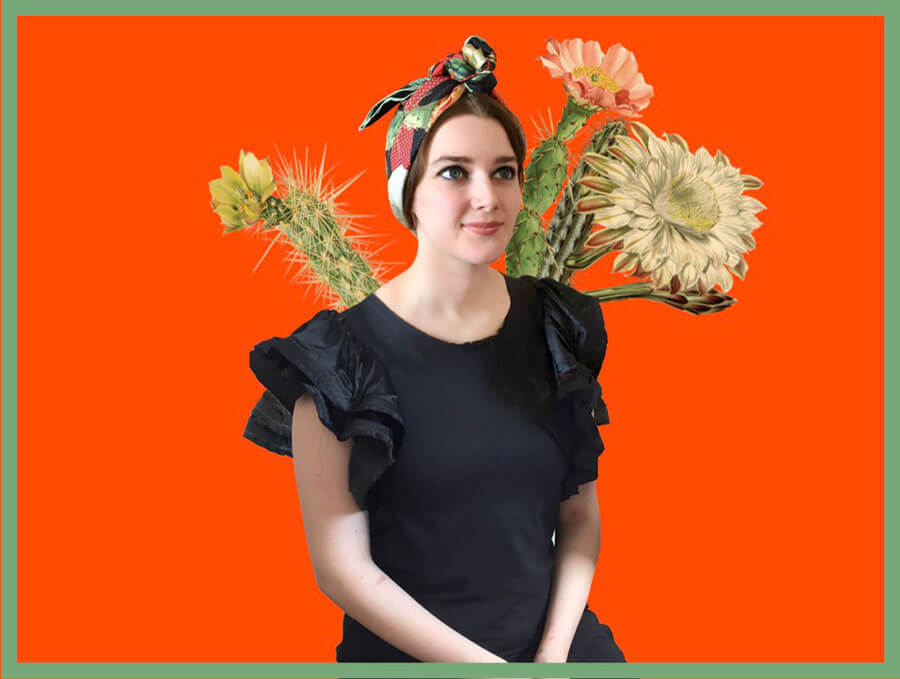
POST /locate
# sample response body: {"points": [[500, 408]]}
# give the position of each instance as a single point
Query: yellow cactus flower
{"points": [[239, 198], [258, 175]]}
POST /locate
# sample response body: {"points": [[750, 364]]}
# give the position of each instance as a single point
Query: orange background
{"points": [[741, 489]]}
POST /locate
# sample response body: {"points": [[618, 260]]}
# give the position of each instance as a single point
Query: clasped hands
{"points": [[551, 655]]}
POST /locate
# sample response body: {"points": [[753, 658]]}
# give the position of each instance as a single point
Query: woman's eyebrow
{"points": [[466, 159]]}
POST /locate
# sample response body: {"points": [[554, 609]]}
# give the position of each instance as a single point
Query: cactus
{"points": [[569, 229], [307, 216], [544, 178]]}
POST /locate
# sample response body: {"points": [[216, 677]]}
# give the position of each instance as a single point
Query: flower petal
{"points": [[626, 76], [613, 220], [256, 173], [591, 203], [634, 150], [751, 182], [232, 178], [615, 59], [229, 216], [641, 131], [619, 172], [222, 192], [624, 261], [553, 66], [740, 269], [636, 240], [596, 183], [677, 139], [593, 53], [750, 204], [573, 52], [641, 93]]}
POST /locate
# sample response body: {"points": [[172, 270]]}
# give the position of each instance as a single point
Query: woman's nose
{"points": [[484, 193]]}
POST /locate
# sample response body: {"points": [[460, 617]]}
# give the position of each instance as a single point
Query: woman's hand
{"points": [[551, 655]]}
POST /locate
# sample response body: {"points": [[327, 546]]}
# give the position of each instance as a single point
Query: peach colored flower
{"points": [[596, 80]]}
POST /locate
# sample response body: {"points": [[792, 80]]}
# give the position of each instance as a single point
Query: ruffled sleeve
{"points": [[351, 389], [576, 336]]}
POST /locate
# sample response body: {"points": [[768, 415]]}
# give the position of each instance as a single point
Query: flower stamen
{"points": [[596, 76], [691, 202]]}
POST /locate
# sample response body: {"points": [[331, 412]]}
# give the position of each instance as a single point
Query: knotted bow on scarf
{"points": [[421, 103]]}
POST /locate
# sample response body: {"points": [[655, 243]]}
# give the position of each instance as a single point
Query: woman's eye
{"points": [[508, 169], [447, 169]]}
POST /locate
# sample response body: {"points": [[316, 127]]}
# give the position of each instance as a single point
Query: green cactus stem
{"points": [[311, 226], [574, 117], [569, 229], [600, 143], [544, 179]]}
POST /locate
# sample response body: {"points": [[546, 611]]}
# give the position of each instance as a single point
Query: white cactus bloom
{"points": [[680, 214]]}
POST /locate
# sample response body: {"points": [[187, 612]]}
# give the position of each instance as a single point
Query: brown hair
{"points": [[483, 106]]}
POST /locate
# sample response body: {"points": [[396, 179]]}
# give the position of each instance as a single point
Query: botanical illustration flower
{"points": [[596, 80], [678, 217], [239, 198]]}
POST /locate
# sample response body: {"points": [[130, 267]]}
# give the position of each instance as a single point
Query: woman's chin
{"points": [[483, 255], [476, 249]]}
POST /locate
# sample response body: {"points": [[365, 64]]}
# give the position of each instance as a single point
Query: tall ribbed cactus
{"points": [[307, 216], [569, 229], [544, 178]]}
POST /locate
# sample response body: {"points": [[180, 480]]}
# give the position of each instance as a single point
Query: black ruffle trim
{"points": [[576, 336], [351, 389]]}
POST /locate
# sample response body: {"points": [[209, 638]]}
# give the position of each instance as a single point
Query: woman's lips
{"points": [[483, 227]]}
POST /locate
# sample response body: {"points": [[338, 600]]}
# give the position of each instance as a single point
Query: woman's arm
{"points": [[337, 534], [577, 549], [374, 600]]}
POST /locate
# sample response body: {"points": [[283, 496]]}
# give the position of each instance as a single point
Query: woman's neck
{"points": [[459, 296]]}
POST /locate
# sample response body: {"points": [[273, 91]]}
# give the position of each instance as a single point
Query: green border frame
{"points": [[11, 667]]}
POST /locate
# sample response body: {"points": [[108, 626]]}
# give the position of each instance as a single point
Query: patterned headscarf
{"points": [[422, 102]]}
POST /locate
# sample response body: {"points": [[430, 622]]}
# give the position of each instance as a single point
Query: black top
{"points": [[461, 454]]}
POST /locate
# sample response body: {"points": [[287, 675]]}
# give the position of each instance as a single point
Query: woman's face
{"points": [[469, 195]]}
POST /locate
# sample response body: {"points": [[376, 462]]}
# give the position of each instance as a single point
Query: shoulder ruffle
{"points": [[576, 337], [350, 387]]}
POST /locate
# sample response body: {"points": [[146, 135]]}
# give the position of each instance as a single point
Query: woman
{"points": [[445, 427]]}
